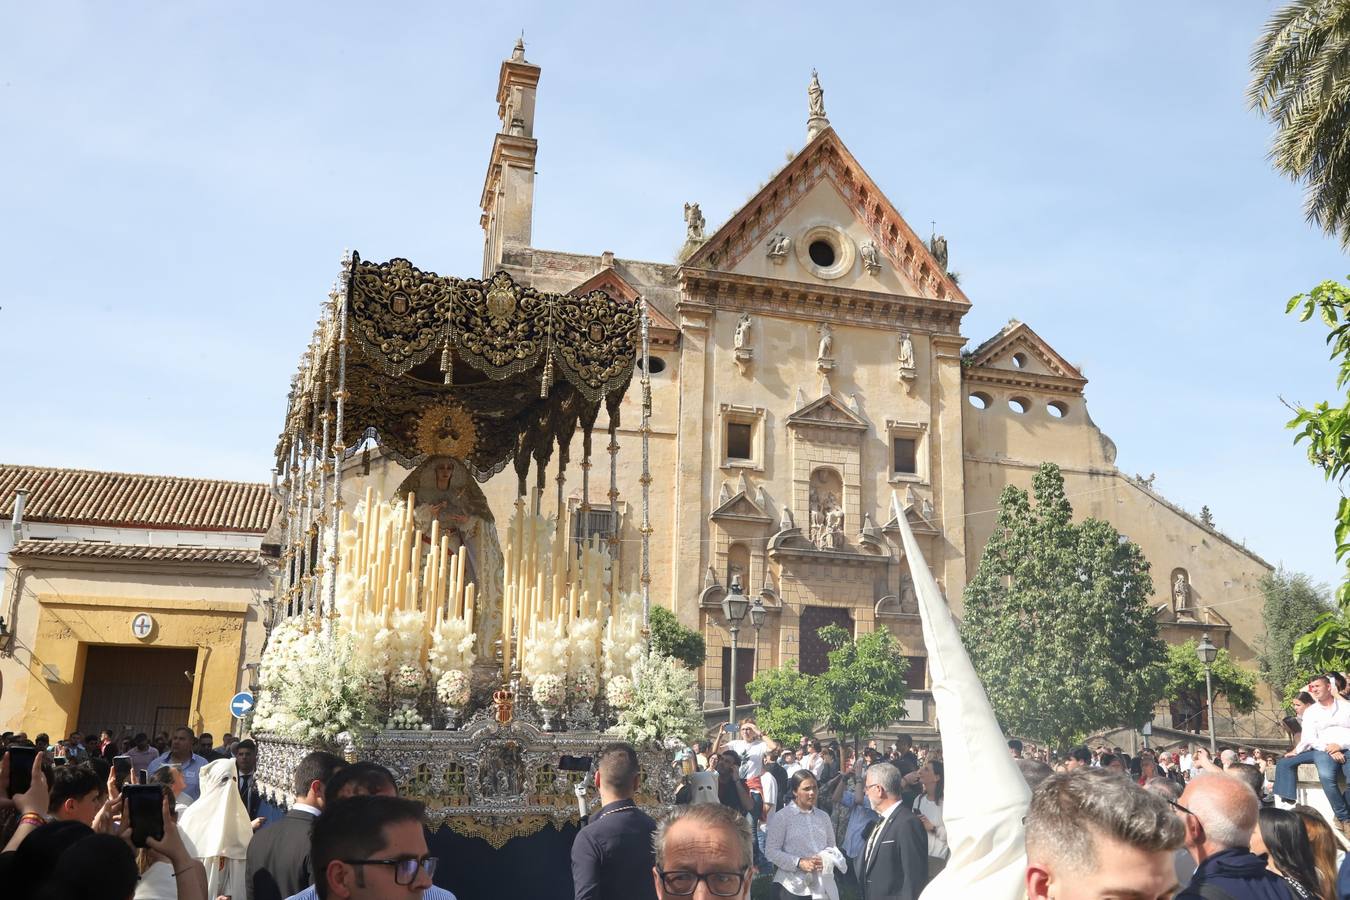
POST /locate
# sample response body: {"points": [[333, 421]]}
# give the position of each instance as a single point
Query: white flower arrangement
{"points": [[405, 718], [409, 681], [549, 690], [584, 685], [312, 685], [546, 652], [619, 692], [451, 647], [663, 704], [623, 644], [452, 688]]}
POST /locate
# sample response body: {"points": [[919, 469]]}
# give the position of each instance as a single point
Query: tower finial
{"points": [[815, 96], [518, 54]]}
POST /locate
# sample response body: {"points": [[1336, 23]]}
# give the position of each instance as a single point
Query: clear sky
{"points": [[178, 182]]}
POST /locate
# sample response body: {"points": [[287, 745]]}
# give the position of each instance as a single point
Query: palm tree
{"points": [[1301, 82]]}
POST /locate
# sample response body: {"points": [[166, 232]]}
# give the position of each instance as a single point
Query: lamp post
{"points": [[1208, 653], [757, 615], [734, 607]]}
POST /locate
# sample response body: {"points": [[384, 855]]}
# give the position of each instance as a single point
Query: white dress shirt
{"points": [[794, 835], [1318, 720]]}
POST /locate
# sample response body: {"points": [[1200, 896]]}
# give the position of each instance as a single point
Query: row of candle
{"points": [[403, 571]]}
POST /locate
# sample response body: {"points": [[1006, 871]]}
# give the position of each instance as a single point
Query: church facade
{"points": [[810, 382]]}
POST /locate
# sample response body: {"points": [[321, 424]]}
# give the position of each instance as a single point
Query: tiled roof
{"points": [[135, 552], [81, 497]]}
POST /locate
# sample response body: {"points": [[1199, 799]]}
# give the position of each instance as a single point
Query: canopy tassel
{"points": [[447, 365]]}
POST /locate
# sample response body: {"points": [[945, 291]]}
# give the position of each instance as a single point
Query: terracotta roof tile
{"points": [[135, 552], [82, 497]]}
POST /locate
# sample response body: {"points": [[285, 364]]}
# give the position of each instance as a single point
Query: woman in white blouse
{"points": [[928, 806], [800, 843]]}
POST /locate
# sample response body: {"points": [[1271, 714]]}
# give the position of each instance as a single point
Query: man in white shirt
{"points": [[1325, 723]]}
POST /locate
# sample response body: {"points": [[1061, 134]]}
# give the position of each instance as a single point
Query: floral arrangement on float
{"points": [[407, 646]]}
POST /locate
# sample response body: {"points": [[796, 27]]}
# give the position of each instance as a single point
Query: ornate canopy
{"points": [[484, 371]]}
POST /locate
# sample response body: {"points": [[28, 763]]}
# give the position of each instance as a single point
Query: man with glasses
{"points": [[1327, 718], [371, 848], [894, 864], [1219, 814], [703, 850]]}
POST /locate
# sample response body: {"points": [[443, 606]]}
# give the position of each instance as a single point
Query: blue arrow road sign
{"points": [[241, 704]]}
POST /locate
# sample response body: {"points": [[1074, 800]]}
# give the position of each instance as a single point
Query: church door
{"points": [[814, 652]]}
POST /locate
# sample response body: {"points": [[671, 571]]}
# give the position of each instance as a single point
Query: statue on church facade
{"points": [[871, 257], [693, 222], [815, 95], [938, 245], [1181, 593], [742, 340], [825, 350], [778, 247]]}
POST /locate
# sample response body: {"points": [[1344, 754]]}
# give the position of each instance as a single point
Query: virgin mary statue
{"points": [[448, 494]]}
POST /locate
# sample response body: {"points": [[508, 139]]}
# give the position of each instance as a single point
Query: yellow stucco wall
{"points": [[62, 613]]}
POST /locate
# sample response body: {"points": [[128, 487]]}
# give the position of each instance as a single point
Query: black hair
{"points": [[354, 829], [368, 776], [140, 736], [1108, 758], [1292, 726], [317, 766], [35, 859], [936, 766], [1015, 744], [72, 782], [96, 867], [1251, 776], [1286, 839], [1082, 754], [1339, 679], [246, 744], [798, 777], [1306, 698], [618, 766]]}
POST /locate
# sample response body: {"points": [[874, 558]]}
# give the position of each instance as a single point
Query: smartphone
{"points": [[21, 769], [570, 763], [122, 766], [730, 728], [145, 807], [142, 777], [60, 761]]}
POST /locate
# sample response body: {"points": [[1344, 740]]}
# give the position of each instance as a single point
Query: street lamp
{"points": [[734, 606], [1208, 653]]}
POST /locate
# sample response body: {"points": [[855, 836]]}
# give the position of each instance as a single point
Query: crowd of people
{"points": [[813, 819]]}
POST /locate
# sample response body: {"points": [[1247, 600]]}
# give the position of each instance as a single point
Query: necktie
{"points": [[872, 842]]}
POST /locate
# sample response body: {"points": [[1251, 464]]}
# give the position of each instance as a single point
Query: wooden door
{"points": [[815, 652], [138, 688]]}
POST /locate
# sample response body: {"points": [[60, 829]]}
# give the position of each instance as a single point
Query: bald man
{"points": [[1219, 814]]}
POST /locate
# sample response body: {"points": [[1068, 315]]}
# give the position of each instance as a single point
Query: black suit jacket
{"points": [[898, 867], [278, 858], [612, 856]]}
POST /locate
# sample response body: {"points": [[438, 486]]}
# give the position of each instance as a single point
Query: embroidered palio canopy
{"points": [[483, 371]]}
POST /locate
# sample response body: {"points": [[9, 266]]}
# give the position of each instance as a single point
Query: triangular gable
{"points": [[742, 509], [1015, 337], [828, 412], [663, 330], [826, 157], [917, 521]]}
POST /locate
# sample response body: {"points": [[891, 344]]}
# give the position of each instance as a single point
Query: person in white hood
{"points": [[219, 827]]}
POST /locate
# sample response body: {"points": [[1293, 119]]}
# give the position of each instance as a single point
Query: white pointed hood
{"points": [[217, 822], [985, 796]]}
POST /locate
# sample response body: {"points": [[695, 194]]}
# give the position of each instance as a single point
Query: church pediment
{"points": [[823, 197], [663, 331], [741, 508], [827, 412], [1019, 351], [918, 517]]}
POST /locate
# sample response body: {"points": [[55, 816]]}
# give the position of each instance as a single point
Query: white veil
{"points": [[985, 795], [219, 827]]}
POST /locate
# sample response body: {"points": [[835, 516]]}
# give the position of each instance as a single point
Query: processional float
{"points": [[482, 671]]}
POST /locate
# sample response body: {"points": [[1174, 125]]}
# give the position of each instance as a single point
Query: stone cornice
{"points": [[506, 146], [1019, 378], [705, 289]]}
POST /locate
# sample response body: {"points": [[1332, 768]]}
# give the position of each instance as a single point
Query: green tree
{"points": [[1292, 609], [1186, 679], [670, 638], [864, 687], [1301, 83], [789, 703], [1057, 620]]}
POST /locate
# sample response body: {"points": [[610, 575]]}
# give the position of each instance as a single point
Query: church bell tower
{"points": [[508, 189]]}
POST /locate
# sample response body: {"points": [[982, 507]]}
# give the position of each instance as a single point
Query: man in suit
{"points": [[612, 856], [895, 848], [278, 855]]}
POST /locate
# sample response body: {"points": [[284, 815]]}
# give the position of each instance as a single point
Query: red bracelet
{"points": [[32, 818]]}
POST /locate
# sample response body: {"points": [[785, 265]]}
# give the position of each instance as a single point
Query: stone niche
{"points": [[826, 447]]}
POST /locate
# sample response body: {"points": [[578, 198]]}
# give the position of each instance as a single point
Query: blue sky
{"points": [[180, 179]]}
